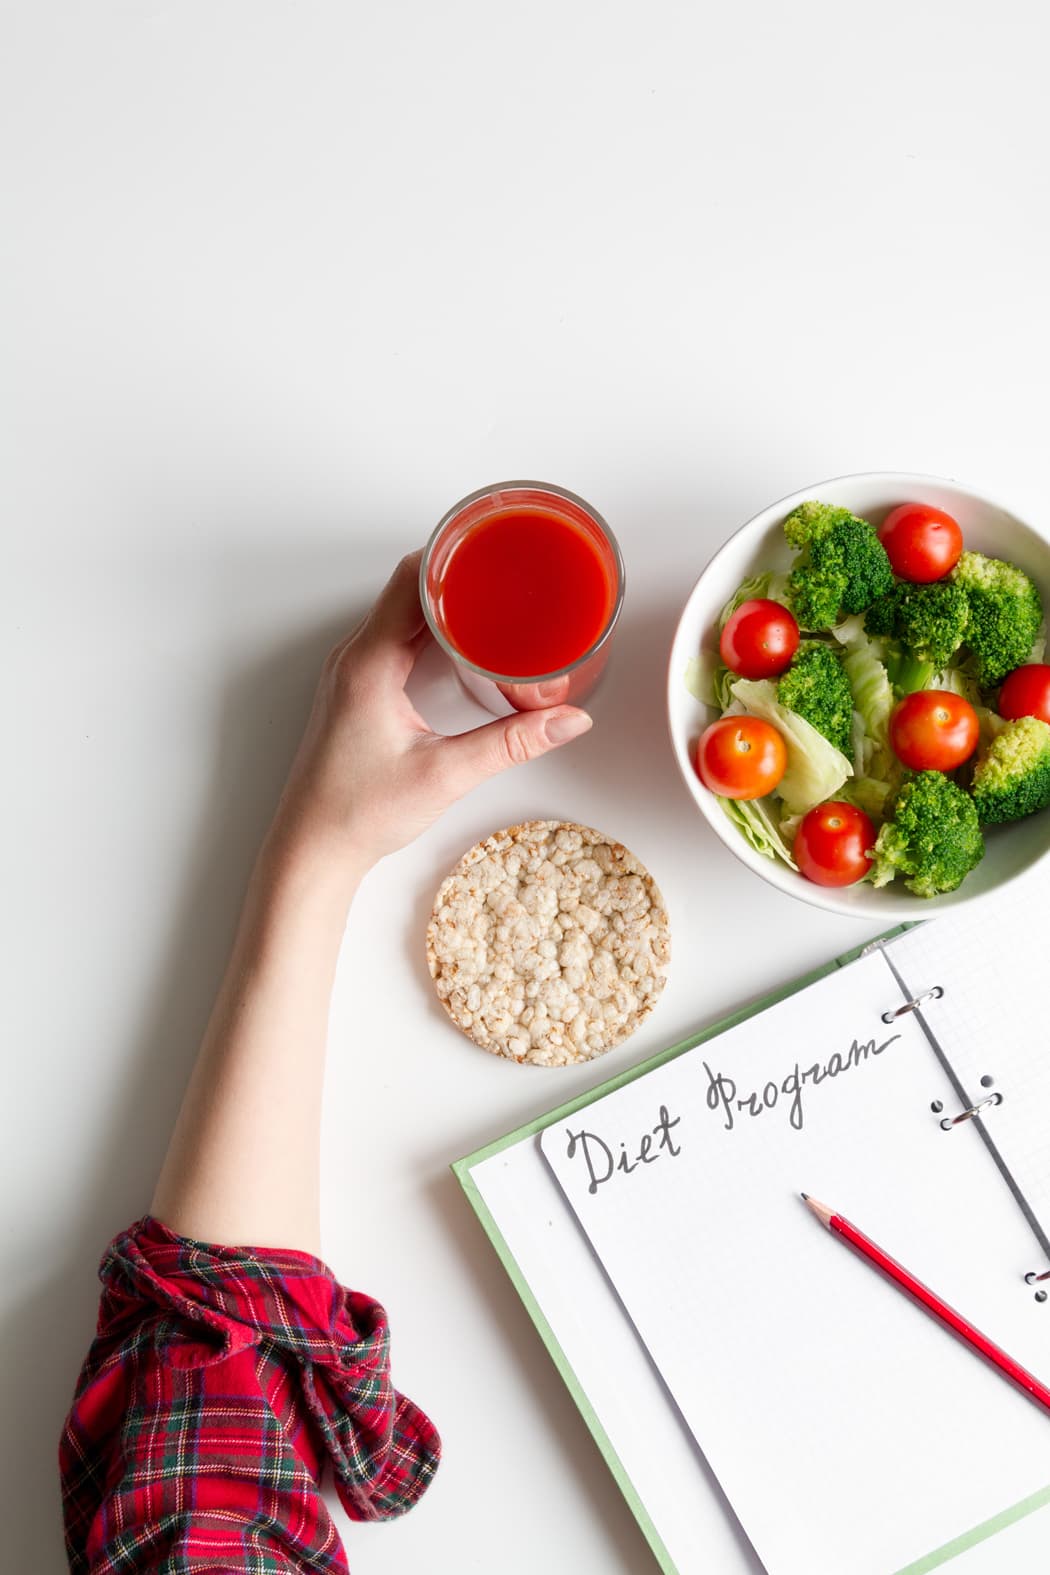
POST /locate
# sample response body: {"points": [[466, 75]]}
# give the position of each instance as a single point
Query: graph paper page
{"points": [[848, 1430], [993, 1022]]}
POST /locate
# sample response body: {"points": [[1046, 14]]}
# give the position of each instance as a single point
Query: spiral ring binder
{"points": [[1038, 1279], [933, 994], [974, 1110]]}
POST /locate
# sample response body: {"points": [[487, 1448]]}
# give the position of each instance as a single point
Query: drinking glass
{"points": [[502, 693]]}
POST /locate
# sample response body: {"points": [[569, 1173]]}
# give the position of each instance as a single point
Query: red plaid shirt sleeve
{"points": [[221, 1381]]}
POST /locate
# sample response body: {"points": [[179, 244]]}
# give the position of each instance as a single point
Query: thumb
{"points": [[513, 740]]}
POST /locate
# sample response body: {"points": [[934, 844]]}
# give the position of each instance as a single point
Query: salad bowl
{"points": [[759, 546]]}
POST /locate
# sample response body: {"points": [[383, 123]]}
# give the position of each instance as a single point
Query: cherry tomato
{"points": [[759, 640], [921, 542], [1026, 693], [740, 757], [833, 844], [933, 730]]}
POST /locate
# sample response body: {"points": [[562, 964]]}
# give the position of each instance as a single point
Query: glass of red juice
{"points": [[522, 584]]}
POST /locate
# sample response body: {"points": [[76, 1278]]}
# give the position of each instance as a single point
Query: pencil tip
{"points": [[804, 1196], [821, 1210]]}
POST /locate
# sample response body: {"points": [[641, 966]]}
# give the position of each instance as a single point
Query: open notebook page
{"points": [[993, 1021], [848, 1430]]}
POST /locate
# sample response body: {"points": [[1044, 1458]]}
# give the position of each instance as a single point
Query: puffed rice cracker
{"points": [[548, 943]]}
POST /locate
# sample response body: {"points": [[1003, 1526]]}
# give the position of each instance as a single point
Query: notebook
{"points": [[766, 1401]]}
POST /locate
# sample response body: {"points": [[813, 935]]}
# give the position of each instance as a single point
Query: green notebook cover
{"points": [[462, 1169]]}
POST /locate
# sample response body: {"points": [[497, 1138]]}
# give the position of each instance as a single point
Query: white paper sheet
{"points": [[993, 1022], [657, 1450], [848, 1430]]}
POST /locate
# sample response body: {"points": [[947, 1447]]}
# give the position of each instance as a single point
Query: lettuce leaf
{"points": [[815, 768], [851, 630], [959, 681], [707, 679], [756, 818], [872, 692], [873, 701], [698, 677], [869, 794]]}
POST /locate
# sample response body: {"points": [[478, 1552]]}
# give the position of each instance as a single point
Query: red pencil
{"points": [[1033, 1388]]}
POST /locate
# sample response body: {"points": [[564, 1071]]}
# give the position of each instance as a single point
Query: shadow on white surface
{"points": [[259, 712], [259, 717]]}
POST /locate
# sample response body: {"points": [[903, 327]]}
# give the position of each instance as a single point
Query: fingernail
{"points": [[567, 724]]}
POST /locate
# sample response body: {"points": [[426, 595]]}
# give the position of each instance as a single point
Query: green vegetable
{"points": [[881, 617], [707, 679], [873, 702], [869, 794], [698, 675], [815, 768], [908, 673], [815, 686], [964, 633], [959, 681], [724, 680], [1012, 775], [933, 838], [789, 825], [1005, 614], [990, 725], [930, 621], [842, 565], [769, 587], [854, 637], [864, 660], [850, 630], [757, 820]]}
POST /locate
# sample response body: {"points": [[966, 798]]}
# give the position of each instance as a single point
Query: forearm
{"points": [[243, 1164], [243, 1167]]}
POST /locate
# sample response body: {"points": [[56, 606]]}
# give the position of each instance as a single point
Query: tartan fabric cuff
{"points": [[222, 1300]]}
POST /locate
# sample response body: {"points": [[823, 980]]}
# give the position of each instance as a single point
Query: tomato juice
{"points": [[526, 592], [522, 584]]}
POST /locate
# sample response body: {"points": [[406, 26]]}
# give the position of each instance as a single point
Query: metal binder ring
{"points": [[911, 1006], [968, 1115], [1033, 1278]]}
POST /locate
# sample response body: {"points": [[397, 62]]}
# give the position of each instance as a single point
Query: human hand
{"points": [[370, 774]]}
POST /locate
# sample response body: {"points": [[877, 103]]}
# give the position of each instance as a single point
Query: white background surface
{"points": [[282, 282]]}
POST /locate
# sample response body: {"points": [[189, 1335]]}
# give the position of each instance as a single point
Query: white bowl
{"points": [[987, 527]]}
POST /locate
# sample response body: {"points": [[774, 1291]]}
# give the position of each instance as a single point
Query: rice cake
{"points": [[548, 943]]}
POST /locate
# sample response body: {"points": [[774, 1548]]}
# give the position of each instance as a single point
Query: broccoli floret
{"points": [[1012, 776], [816, 687], [933, 836], [881, 616], [930, 621], [1005, 614], [842, 565]]}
